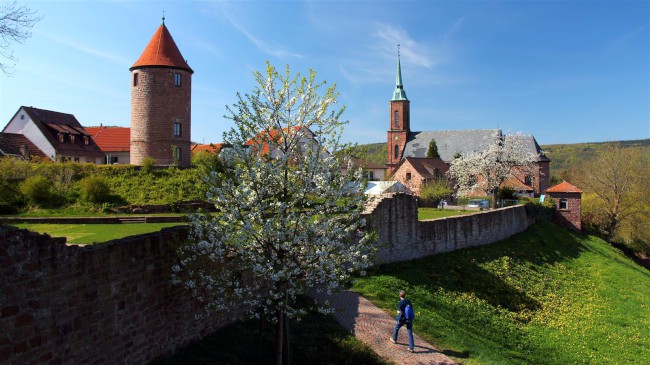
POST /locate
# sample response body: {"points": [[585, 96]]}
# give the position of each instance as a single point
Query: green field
{"points": [[434, 213], [94, 233], [545, 296]]}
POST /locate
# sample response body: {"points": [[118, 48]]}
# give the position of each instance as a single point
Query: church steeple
{"points": [[399, 125], [399, 93]]}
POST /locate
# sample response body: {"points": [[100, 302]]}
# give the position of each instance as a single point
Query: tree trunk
{"points": [[279, 339]]}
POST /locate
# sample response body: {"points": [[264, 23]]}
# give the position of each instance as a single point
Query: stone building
{"points": [[415, 172], [161, 90], [404, 143], [568, 209]]}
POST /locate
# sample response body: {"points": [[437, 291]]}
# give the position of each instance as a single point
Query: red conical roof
{"points": [[161, 52]]}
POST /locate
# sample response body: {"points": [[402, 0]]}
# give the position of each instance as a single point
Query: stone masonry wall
{"points": [[110, 303], [402, 237], [156, 104]]}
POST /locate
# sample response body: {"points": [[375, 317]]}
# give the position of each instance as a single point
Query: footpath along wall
{"points": [[113, 303]]}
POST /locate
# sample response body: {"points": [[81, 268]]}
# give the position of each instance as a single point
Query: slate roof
{"points": [[449, 143], [530, 144], [563, 187], [11, 144], [161, 51], [111, 139], [51, 123]]}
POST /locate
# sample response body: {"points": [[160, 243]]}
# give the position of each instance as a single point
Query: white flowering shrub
{"points": [[487, 170], [289, 219]]}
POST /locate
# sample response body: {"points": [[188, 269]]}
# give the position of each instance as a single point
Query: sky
{"points": [[564, 71]]}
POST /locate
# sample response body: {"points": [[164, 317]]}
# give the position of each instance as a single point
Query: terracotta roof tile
{"points": [[162, 52], [111, 139], [563, 187], [212, 147], [516, 184]]}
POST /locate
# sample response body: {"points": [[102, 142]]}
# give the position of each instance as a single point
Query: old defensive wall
{"points": [[114, 302]]}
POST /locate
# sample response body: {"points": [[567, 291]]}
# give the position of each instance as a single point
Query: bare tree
{"points": [[16, 23]]}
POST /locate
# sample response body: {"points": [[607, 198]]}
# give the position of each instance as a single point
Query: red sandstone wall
{"points": [[110, 303], [156, 103]]}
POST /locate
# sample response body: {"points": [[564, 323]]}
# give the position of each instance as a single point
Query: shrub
{"points": [[95, 189], [38, 190], [434, 191], [148, 165], [538, 211]]}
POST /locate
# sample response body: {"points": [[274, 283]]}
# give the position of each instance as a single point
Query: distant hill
{"points": [[564, 157]]}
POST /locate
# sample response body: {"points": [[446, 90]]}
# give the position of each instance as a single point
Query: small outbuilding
{"points": [[568, 209]]}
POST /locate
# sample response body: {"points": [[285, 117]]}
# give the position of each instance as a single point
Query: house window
{"points": [[76, 159], [22, 117], [564, 205], [177, 79], [86, 140], [396, 152], [61, 137], [135, 79], [396, 119], [177, 129], [72, 138], [528, 180], [408, 176]]}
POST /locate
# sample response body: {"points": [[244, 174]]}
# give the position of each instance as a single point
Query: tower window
{"points": [[564, 204], [177, 153], [177, 129], [396, 119], [396, 152], [177, 79], [135, 79]]}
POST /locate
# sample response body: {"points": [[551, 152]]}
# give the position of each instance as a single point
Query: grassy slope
{"points": [[94, 233], [545, 296]]}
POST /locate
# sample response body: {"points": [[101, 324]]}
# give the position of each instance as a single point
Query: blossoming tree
{"points": [[487, 170], [288, 217]]}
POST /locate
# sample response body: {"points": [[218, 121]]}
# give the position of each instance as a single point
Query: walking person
{"points": [[405, 314]]}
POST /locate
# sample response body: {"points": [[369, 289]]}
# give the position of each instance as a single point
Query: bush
{"points": [[148, 165], [95, 189], [434, 191], [539, 211], [38, 190]]}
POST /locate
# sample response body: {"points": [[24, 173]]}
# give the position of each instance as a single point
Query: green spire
{"points": [[399, 93]]}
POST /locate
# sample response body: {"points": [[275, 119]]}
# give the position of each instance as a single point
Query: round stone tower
{"points": [[161, 94]]}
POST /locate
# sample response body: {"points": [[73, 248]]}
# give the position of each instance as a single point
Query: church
{"points": [[408, 163]]}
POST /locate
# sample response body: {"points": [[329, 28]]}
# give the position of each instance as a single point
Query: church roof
{"points": [[162, 52], [563, 187], [399, 93], [529, 143], [449, 143]]}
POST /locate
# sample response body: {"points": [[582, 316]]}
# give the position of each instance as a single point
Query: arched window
{"points": [[396, 152], [396, 119]]}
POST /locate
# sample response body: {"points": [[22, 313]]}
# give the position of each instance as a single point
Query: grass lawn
{"points": [[315, 340], [545, 296], [433, 213], [94, 233]]}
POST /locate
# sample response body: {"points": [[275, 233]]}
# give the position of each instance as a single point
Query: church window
{"points": [[135, 79], [177, 129], [396, 152], [177, 79], [564, 204], [177, 154], [396, 119]]}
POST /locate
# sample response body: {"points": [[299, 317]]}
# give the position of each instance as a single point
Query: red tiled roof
{"points": [[12, 144], [516, 184], [563, 187], [212, 147], [162, 52], [111, 139], [273, 136]]}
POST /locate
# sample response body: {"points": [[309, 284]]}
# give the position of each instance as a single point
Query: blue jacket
{"points": [[401, 306]]}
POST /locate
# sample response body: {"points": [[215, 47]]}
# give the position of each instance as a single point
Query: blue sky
{"points": [[564, 71]]}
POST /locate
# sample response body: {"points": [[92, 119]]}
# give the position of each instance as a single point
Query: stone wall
{"points": [[402, 237], [110, 303]]}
